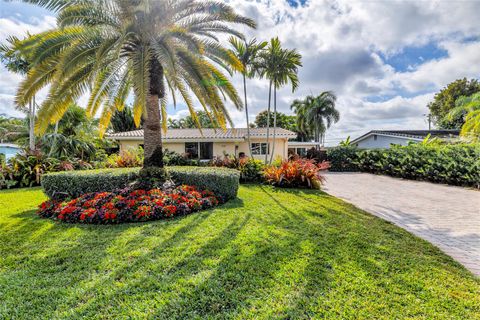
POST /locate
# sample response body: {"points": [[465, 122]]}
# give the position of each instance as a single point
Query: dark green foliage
{"points": [[2, 159], [222, 181], [283, 121], [251, 170], [123, 120], [204, 119], [444, 102], [455, 164], [343, 158]]}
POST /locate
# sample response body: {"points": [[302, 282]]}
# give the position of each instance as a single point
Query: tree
{"points": [[316, 114], [470, 106], [18, 61], [206, 121], [13, 129], [247, 53], [122, 120], [150, 47], [283, 121], [444, 101], [279, 66]]}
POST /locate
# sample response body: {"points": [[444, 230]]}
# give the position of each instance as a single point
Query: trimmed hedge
{"points": [[455, 164], [222, 181]]}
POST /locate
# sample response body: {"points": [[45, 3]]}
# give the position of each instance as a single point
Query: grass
{"points": [[285, 254]]}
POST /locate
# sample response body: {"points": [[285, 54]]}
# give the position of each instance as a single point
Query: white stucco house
{"points": [[385, 138], [207, 143]]}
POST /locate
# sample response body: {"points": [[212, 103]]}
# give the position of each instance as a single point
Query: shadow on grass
{"points": [[280, 254]]}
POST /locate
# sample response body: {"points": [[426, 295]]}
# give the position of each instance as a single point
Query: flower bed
{"points": [[296, 173], [128, 205]]}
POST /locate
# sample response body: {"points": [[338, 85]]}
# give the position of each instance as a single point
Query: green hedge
{"points": [[455, 164], [223, 182]]}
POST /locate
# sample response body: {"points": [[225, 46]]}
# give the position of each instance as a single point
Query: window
{"points": [[375, 137], [199, 150], [191, 148], [302, 152], [259, 148]]}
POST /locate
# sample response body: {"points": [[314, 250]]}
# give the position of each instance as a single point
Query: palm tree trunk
{"points": [[246, 114], [268, 120], [274, 121], [31, 129], [152, 131]]}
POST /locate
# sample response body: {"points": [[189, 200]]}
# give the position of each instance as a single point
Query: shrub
{"points": [[457, 164], [251, 170], [128, 205], [343, 158], [222, 181], [125, 159], [296, 173]]}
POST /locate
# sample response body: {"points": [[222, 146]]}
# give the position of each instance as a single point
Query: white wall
{"points": [[382, 142]]}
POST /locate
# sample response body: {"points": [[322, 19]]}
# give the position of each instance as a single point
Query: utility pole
{"points": [[429, 119]]}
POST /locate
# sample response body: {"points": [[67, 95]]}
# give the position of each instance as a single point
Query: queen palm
{"points": [[109, 47], [247, 53], [470, 107], [279, 66], [316, 114]]}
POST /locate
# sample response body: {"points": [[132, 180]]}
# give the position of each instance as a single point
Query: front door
{"points": [[206, 150]]}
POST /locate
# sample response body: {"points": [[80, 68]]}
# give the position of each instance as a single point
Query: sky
{"points": [[383, 59]]}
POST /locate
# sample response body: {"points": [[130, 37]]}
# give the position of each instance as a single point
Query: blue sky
{"points": [[383, 59]]}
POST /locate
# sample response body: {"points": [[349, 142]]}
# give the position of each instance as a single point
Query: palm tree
{"points": [[16, 61], [122, 120], [247, 53], [316, 114], [470, 107], [110, 47], [280, 66]]}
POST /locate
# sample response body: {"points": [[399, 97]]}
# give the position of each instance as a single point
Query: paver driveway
{"points": [[447, 216]]}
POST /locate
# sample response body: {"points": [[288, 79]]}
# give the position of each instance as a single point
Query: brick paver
{"points": [[446, 216]]}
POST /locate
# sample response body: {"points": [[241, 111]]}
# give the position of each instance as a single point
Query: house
{"points": [[385, 138], [207, 143], [9, 150]]}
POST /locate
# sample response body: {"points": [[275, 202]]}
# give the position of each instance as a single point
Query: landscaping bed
{"points": [[127, 205]]}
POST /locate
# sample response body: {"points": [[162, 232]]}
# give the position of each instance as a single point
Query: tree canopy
{"points": [[444, 102], [206, 121]]}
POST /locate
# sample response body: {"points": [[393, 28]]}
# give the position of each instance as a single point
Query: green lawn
{"points": [[285, 254]]}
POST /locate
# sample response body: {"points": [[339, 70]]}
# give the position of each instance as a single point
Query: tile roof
{"points": [[182, 134]]}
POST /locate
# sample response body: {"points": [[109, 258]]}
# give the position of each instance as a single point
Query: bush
{"points": [[251, 170], [455, 164], [222, 181], [296, 173], [126, 205], [343, 158], [125, 159]]}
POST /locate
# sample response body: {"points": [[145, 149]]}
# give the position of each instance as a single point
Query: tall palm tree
{"points": [[16, 61], [279, 66], [109, 47], [316, 114], [247, 53]]}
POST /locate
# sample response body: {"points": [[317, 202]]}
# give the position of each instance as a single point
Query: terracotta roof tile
{"points": [[182, 134]]}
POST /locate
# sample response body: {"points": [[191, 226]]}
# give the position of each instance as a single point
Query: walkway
{"points": [[447, 216]]}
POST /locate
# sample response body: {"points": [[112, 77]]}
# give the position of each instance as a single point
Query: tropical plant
{"points": [[296, 173], [247, 54], [113, 46], [122, 120], [345, 143], [316, 114], [17, 61], [469, 105], [279, 66], [445, 101]]}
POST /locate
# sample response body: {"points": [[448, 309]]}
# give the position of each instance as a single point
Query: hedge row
{"points": [[222, 181], [455, 164]]}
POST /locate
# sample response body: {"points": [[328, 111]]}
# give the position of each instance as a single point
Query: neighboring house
{"points": [[385, 138], [208, 143], [9, 150]]}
